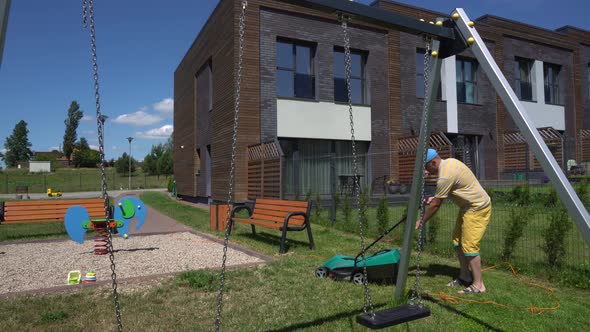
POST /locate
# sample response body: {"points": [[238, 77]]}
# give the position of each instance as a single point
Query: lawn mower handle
{"points": [[383, 235]]}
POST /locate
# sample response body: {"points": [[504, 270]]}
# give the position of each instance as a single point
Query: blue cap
{"points": [[431, 154]]}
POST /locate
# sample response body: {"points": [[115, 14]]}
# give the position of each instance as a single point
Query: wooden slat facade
{"points": [[518, 156], [407, 154], [264, 170], [583, 141]]}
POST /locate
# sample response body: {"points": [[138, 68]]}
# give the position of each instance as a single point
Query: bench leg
{"points": [[283, 238], [311, 243], [231, 225], [253, 229]]}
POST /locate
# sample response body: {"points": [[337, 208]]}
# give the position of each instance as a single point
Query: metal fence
{"points": [[72, 180]]}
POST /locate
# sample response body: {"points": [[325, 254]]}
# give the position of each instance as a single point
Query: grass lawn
{"points": [[285, 296]]}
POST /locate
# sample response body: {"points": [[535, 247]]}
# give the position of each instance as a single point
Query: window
{"points": [[295, 69], [551, 79], [523, 78], [420, 85], [358, 90], [466, 81]]}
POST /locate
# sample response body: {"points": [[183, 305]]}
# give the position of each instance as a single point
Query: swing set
{"points": [[443, 38]]}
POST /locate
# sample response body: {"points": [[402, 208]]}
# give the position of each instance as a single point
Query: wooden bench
{"points": [[51, 210], [277, 214], [19, 190]]}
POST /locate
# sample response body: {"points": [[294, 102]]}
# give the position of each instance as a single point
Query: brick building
{"points": [[294, 131]]}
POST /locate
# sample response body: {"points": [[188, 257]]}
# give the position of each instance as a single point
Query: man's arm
{"points": [[435, 204]]}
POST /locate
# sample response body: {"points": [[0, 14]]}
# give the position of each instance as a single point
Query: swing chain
{"points": [[88, 15], [417, 293], [368, 303], [242, 28]]}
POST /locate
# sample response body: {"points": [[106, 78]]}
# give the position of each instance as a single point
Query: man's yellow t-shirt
{"points": [[456, 180]]}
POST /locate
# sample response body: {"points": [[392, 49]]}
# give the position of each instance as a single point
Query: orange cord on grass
{"points": [[453, 299]]}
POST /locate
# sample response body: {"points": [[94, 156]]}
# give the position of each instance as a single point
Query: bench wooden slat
{"points": [[299, 204], [281, 220], [55, 202], [263, 223], [282, 208]]}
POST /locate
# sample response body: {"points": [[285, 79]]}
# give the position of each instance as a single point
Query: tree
{"points": [[17, 145], [83, 156], [71, 122], [122, 164], [160, 160]]}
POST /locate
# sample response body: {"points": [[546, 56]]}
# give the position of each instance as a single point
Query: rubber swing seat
{"points": [[400, 314]]}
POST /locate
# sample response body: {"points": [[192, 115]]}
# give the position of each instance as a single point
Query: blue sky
{"points": [[47, 64]]}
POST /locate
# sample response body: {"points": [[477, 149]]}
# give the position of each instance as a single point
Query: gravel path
{"points": [[41, 265]]}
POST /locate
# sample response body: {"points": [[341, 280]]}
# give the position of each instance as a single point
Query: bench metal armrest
{"points": [[238, 208], [296, 213]]}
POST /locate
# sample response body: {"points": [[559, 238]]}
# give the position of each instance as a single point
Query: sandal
{"points": [[459, 282], [470, 290]]}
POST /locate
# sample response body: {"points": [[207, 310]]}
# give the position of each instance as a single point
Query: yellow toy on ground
{"points": [[52, 193]]}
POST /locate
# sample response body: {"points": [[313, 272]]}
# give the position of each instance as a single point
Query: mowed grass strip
{"points": [[283, 295]]}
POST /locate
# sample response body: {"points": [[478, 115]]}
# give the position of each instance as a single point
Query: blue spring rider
{"points": [[77, 219]]}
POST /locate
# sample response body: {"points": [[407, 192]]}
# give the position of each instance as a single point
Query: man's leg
{"points": [[464, 263], [474, 226], [475, 265]]}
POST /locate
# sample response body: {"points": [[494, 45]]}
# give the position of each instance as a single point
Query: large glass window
{"points": [[420, 85], [523, 78], [551, 80], [466, 81], [295, 69], [358, 89]]}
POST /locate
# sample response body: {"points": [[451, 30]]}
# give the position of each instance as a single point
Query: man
{"points": [[456, 180]]}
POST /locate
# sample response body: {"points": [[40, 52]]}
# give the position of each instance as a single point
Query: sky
{"points": [[47, 62]]}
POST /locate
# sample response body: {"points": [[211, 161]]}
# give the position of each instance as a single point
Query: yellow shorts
{"points": [[469, 229]]}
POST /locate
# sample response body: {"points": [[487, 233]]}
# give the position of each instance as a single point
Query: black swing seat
{"points": [[400, 314]]}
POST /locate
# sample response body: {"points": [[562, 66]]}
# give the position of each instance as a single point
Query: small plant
{"points": [[551, 198], [382, 215], [336, 201], [308, 195], [318, 206], [364, 208], [519, 218], [201, 279], [53, 316], [554, 236], [521, 195], [583, 192], [170, 184], [346, 208]]}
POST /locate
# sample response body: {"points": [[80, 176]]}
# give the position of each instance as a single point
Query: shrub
{"points": [[170, 184], [519, 218], [551, 198], [318, 206], [382, 215], [364, 208], [336, 201], [521, 195], [583, 192], [554, 235], [308, 195], [346, 208]]}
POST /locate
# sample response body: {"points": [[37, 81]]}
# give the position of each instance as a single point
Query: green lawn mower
{"points": [[382, 266]]}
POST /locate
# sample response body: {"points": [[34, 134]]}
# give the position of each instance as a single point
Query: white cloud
{"points": [[165, 106], [3, 151], [88, 117], [93, 147], [157, 133], [139, 118]]}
